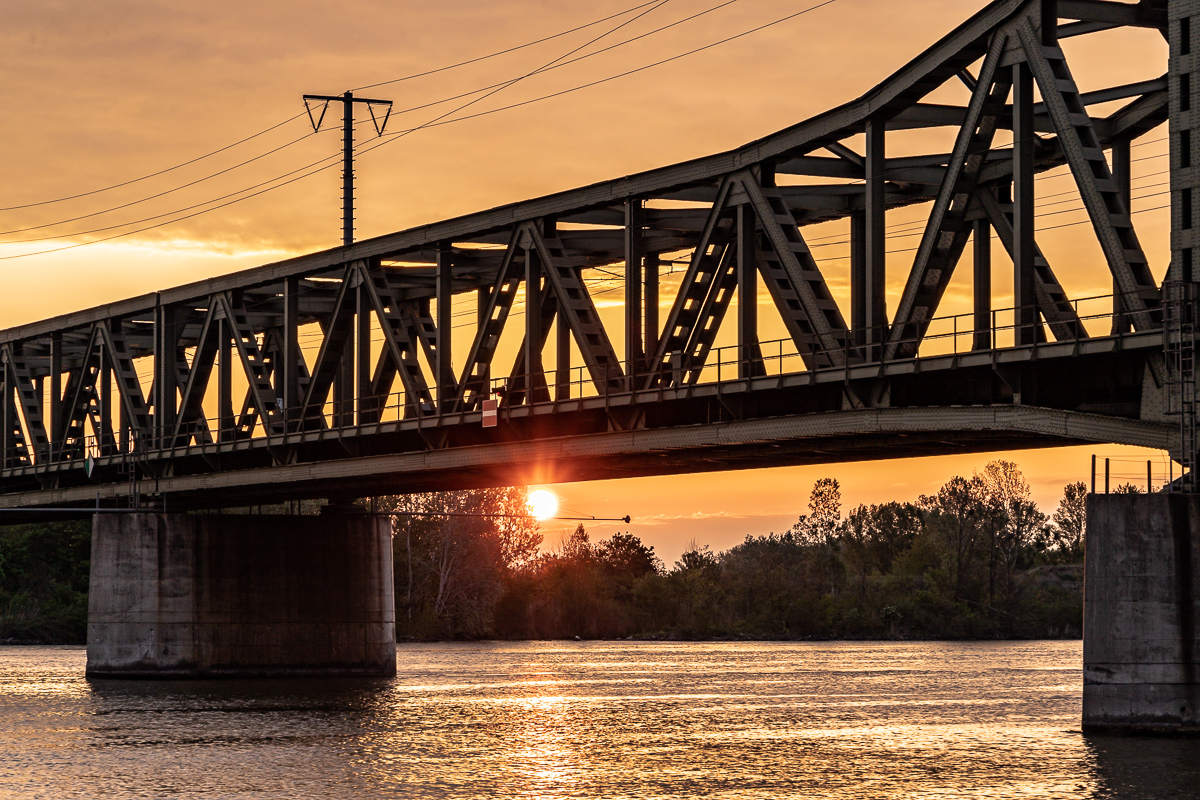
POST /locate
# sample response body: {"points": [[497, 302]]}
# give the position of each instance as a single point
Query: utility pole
{"points": [[347, 100]]}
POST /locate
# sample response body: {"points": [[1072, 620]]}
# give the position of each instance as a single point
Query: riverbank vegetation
{"points": [[975, 559], [44, 582]]}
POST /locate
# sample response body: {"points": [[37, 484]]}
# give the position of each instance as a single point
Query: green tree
{"points": [[1011, 498], [1069, 521], [454, 552]]}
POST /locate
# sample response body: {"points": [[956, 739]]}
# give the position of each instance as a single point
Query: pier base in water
{"points": [[1140, 651], [190, 596]]}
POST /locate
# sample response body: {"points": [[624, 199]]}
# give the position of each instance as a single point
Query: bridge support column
{"points": [[1142, 601], [189, 596]]}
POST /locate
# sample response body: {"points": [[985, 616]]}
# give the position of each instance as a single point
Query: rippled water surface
{"points": [[603, 719]]}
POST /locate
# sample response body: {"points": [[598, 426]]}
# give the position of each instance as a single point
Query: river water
{"points": [[591, 719]]}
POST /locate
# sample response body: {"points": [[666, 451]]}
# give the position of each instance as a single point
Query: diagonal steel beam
{"points": [[255, 366], [79, 396], [794, 279], [338, 330], [697, 281], [473, 387], [190, 421], [1102, 197], [400, 338], [129, 387], [947, 230], [29, 400], [578, 311], [13, 450], [711, 313], [1052, 299]]}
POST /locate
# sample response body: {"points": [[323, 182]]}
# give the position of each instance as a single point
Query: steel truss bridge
{"points": [[237, 409]]}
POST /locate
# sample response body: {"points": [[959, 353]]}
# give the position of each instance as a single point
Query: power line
{"points": [[441, 121], [504, 52], [155, 174], [499, 86], [569, 62], [178, 210], [145, 199], [298, 116], [659, 4]]}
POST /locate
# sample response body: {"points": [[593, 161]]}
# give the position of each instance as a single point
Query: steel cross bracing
{"points": [[345, 357]]}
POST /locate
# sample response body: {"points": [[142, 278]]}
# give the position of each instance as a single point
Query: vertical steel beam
{"points": [[370, 407], [1121, 166], [749, 353], [651, 310], [1050, 23], [166, 378], [562, 355], [56, 368], [858, 275], [874, 277], [447, 387], [343, 387], [124, 428], [287, 374], [225, 356], [8, 418], [983, 286], [635, 344], [1024, 200], [482, 299], [533, 320], [1185, 178], [344, 373], [104, 404]]}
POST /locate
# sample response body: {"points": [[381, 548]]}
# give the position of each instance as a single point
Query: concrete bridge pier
{"points": [[1141, 606], [200, 596]]}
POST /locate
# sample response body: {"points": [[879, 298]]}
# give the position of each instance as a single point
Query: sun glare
{"points": [[543, 504]]}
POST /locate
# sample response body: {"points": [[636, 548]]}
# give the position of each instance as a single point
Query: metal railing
{"points": [[950, 335]]}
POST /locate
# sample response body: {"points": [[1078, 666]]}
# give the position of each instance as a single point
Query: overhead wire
{"points": [[147, 199], [267, 130], [567, 63], [291, 119], [439, 121], [495, 90], [656, 4], [478, 59], [155, 174], [442, 121]]}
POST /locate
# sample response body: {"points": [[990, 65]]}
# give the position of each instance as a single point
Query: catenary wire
{"points": [[552, 65], [156, 174], [301, 114], [442, 121], [503, 52]]}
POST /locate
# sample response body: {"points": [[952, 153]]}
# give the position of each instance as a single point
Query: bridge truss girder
{"points": [[326, 348]]}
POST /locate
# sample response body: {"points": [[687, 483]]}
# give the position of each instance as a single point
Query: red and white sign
{"points": [[489, 414]]}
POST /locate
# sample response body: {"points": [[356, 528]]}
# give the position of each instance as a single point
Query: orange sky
{"points": [[99, 93]]}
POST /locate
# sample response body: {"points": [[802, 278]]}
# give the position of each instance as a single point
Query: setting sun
{"points": [[543, 504]]}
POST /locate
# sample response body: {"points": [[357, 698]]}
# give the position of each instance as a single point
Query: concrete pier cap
{"points": [[1140, 651], [206, 596]]}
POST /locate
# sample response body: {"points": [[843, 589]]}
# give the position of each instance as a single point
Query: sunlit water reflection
{"points": [[602, 719]]}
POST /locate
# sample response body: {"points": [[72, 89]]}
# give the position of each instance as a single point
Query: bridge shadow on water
{"points": [[1137, 768]]}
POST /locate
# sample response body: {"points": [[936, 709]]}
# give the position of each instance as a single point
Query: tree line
{"points": [[975, 559]]}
